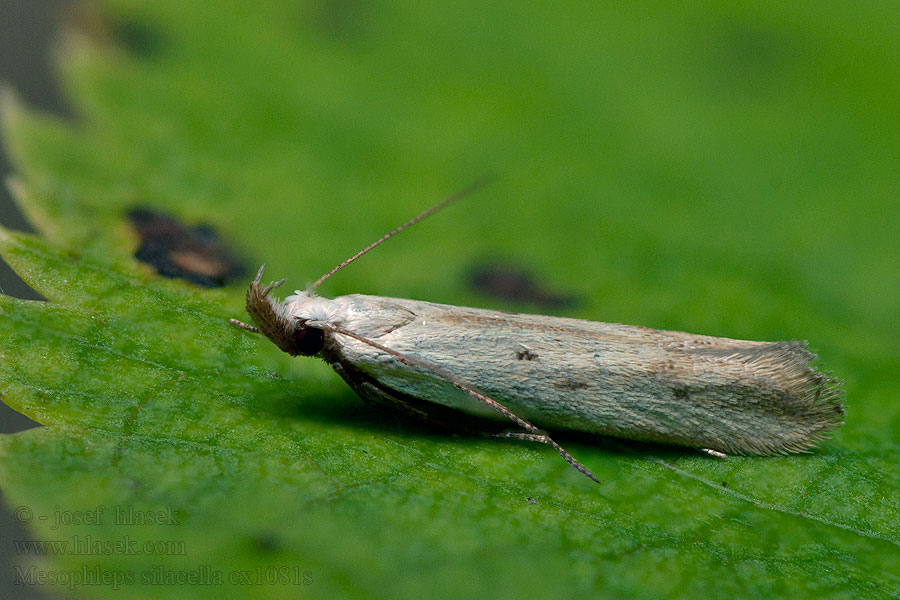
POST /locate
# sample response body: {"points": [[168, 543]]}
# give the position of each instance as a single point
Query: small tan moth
{"points": [[715, 394]]}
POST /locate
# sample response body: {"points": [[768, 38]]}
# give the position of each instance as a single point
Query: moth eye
{"points": [[309, 340]]}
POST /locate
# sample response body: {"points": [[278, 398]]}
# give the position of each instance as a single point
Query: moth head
{"points": [[273, 319]]}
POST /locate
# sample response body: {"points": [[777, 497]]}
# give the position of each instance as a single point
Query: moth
{"points": [[720, 395]]}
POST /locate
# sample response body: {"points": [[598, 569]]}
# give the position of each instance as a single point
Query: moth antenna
{"points": [[244, 326], [422, 215], [534, 434]]}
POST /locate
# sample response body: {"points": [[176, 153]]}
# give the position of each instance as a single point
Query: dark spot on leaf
{"points": [[178, 251], [511, 283], [747, 58], [139, 38], [531, 501], [680, 392], [266, 542], [724, 484], [340, 19]]}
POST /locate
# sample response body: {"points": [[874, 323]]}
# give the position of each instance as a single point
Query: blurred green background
{"points": [[716, 168]]}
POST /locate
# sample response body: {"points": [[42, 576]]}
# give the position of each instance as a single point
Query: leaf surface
{"points": [[677, 170]]}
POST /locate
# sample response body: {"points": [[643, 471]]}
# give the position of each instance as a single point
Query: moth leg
{"points": [[540, 438], [714, 453], [373, 396], [380, 398]]}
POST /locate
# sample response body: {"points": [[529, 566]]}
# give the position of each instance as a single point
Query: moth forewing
{"points": [[713, 393], [734, 396]]}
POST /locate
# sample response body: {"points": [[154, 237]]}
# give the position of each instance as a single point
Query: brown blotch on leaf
{"points": [[179, 251], [509, 282]]}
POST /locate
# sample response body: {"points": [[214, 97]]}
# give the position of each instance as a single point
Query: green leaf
{"points": [[684, 168]]}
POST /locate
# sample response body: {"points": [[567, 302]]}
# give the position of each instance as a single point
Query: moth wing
{"points": [[734, 396]]}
